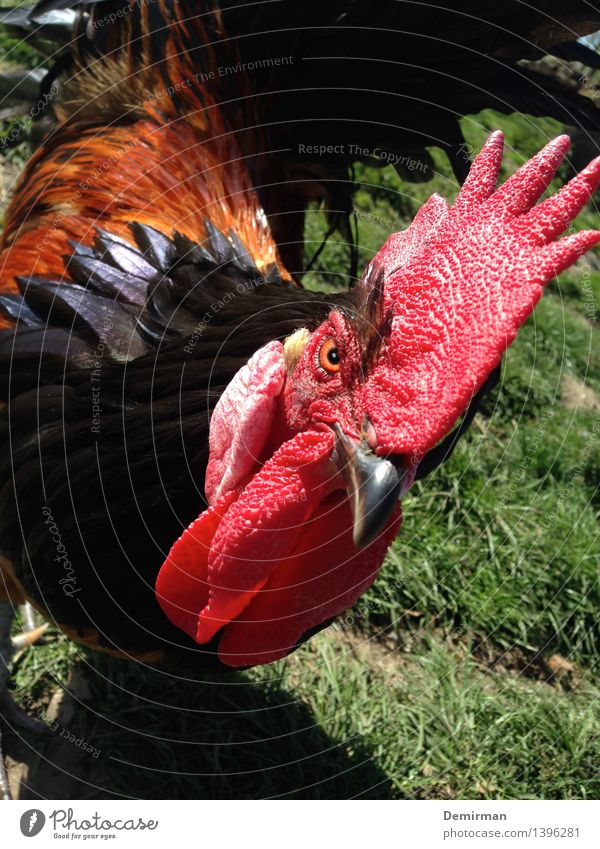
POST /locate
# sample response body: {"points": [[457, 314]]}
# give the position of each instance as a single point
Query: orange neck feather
{"points": [[169, 174]]}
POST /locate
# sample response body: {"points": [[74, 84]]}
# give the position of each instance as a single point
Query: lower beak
{"points": [[373, 483]]}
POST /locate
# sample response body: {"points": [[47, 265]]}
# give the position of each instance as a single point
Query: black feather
{"points": [[219, 246], [191, 252], [156, 247], [14, 307], [121, 255], [242, 257], [575, 51], [109, 280]]}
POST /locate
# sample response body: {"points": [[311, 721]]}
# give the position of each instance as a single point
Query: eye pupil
{"points": [[329, 356]]}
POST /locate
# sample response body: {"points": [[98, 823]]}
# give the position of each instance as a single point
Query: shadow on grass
{"points": [[151, 734]]}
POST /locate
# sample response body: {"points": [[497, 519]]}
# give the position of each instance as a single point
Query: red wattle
{"points": [[264, 525], [182, 583], [322, 577]]}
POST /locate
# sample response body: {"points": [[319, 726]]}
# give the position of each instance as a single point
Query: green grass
{"points": [[470, 669]]}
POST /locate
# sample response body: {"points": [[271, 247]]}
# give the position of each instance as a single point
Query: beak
{"points": [[374, 486]]}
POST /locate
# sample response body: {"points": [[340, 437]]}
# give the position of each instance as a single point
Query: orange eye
{"points": [[329, 356]]}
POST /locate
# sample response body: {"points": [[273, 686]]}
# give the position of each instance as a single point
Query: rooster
{"points": [[203, 461]]}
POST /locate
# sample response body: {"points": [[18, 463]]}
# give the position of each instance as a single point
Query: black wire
{"points": [[348, 215], [354, 240], [319, 250]]}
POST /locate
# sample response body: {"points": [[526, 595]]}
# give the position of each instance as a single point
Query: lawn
{"points": [[469, 670]]}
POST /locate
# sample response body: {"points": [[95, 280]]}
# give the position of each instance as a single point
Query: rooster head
{"points": [[317, 437]]}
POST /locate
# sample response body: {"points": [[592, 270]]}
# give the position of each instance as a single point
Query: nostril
{"points": [[369, 433]]}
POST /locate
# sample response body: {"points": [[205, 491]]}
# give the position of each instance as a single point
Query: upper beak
{"points": [[374, 486]]}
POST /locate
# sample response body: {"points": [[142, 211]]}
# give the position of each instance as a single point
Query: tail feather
{"points": [[308, 89], [347, 75], [21, 85], [576, 51]]}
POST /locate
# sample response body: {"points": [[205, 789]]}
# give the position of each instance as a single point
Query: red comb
{"points": [[460, 283]]}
